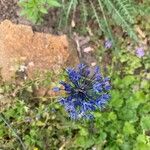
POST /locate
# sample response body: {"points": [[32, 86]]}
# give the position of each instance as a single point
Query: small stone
{"points": [[93, 64], [19, 44], [2, 97], [88, 49]]}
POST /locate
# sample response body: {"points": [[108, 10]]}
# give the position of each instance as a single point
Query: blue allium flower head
{"points": [[97, 87], [86, 91], [74, 76]]}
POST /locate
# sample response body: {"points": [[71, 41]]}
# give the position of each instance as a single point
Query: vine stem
{"points": [[19, 139]]}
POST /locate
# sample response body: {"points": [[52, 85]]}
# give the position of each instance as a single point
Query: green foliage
{"points": [[42, 124], [143, 9], [34, 10], [106, 13], [145, 123], [122, 13]]}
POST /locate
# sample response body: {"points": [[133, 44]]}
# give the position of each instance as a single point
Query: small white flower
{"points": [[22, 68]]}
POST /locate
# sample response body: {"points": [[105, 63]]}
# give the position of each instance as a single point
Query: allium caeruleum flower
{"points": [[108, 44], [140, 52], [86, 92]]}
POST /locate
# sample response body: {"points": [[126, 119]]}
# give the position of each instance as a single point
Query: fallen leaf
{"points": [[87, 49]]}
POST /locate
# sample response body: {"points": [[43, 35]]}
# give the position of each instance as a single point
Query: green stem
{"points": [[19, 139]]}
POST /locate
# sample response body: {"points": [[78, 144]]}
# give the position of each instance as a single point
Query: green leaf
{"points": [[142, 143], [131, 103], [127, 113], [40, 123], [126, 146], [31, 4], [112, 116], [113, 146], [145, 84], [144, 109], [53, 3], [140, 97], [120, 13], [30, 89], [113, 127], [142, 146], [117, 81], [101, 138], [123, 58], [84, 141], [83, 132], [43, 10], [116, 100], [128, 80], [23, 12], [141, 138], [145, 122], [128, 128], [2, 131]]}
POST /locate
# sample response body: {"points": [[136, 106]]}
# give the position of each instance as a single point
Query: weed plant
{"points": [[34, 10], [42, 123]]}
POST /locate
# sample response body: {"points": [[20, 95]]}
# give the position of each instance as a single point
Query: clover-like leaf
{"points": [[145, 122], [128, 128]]}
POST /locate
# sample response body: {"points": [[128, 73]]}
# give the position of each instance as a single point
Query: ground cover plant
{"points": [[120, 121], [44, 124]]}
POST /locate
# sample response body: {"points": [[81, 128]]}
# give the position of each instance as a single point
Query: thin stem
{"points": [[19, 139], [106, 22]]}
